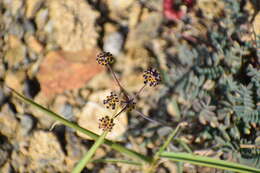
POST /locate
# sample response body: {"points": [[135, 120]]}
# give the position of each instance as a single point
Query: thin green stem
{"points": [[83, 162], [169, 139], [156, 157]]}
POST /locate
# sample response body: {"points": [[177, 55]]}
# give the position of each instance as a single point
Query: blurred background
{"points": [[207, 52]]}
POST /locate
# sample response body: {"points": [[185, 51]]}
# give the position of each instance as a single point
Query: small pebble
{"points": [[114, 43], [16, 29], [27, 123], [164, 131], [5, 150], [28, 26], [41, 18], [67, 111]]}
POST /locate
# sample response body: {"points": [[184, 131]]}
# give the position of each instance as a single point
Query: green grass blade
{"points": [[83, 162], [110, 160], [184, 145], [180, 167], [209, 162], [169, 139], [94, 136], [156, 157]]}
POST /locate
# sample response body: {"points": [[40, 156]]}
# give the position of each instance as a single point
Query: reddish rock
{"points": [[63, 70]]}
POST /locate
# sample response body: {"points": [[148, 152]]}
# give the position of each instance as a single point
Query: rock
{"points": [[211, 9], [45, 153], [101, 81], [61, 71], [62, 107], [59, 67], [14, 80], [8, 122], [2, 68], [256, 24], [5, 150], [164, 131], [27, 122], [34, 44], [44, 121], [41, 18], [94, 110], [74, 149], [16, 51], [7, 168], [14, 6], [74, 24], [148, 29], [32, 6], [118, 8], [67, 111], [113, 43], [19, 161], [28, 26], [16, 29]]}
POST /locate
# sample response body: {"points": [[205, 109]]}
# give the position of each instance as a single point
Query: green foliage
{"points": [[218, 79]]}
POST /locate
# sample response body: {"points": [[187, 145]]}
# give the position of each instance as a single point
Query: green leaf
{"points": [[209, 162], [82, 163]]}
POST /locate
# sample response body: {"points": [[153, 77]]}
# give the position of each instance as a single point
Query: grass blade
{"points": [[209, 162], [82, 163], [110, 160], [156, 157], [62, 120]]}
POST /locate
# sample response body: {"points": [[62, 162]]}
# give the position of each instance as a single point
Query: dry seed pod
{"points": [[106, 123], [105, 58], [151, 77]]}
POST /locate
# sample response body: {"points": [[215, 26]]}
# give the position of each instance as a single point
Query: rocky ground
{"points": [[47, 52]]}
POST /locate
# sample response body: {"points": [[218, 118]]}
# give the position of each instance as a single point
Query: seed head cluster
{"points": [[106, 123], [111, 100], [151, 77], [105, 58]]}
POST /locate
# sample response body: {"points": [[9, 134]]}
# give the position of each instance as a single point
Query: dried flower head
{"points": [[105, 58], [152, 77], [106, 123], [111, 100]]}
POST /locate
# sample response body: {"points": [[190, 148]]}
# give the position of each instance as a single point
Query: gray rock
{"points": [[164, 131], [27, 123], [16, 29], [2, 96], [28, 26], [113, 43], [5, 150], [67, 111]]}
